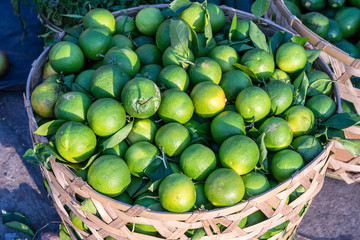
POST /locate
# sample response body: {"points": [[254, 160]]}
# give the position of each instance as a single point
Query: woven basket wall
{"points": [[66, 187], [343, 165]]}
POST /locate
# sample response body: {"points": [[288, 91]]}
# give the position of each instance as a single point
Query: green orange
{"points": [[232, 82], [106, 116], [119, 40], [205, 49], [205, 69], [309, 147], [125, 24], [285, 163], [66, 57], [44, 98], [109, 175], [291, 57], [149, 54], [142, 130], [95, 42], [319, 83], [225, 56], [239, 153], [217, 17], [173, 76], [195, 17], [172, 138], [148, 20], [208, 99], [83, 79], [99, 17], [75, 141], [118, 150], [281, 96], [151, 71], [227, 124], [322, 106], [72, 106], [260, 62], [197, 162], [255, 184], [172, 56], [201, 200], [175, 106], [301, 120], [125, 58], [278, 134], [177, 193]]}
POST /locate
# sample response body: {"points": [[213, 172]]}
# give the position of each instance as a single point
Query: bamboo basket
{"points": [[343, 165], [113, 216]]}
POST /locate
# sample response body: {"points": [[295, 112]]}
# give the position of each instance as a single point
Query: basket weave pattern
{"points": [[113, 216], [343, 165]]}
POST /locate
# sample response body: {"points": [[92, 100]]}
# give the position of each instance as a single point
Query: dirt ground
{"points": [[334, 214]]}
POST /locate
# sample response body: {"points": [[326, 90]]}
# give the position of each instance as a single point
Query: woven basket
{"points": [[66, 187], [343, 165]]}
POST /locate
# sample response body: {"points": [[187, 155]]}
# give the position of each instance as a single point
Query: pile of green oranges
{"points": [[201, 120]]}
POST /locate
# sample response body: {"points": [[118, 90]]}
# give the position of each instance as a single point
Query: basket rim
{"points": [[186, 215], [316, 40]]}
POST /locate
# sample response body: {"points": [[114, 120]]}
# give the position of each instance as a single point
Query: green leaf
{"points": [[91, 160], [241, 47], [287, 36], [299, 40], [342, 120], [258, 37], [77, 88], [260, 7], [301, 85], [30, 157], [49, 128], [156, 207], [312, 54], [68, 80], [73, 31], [233, 27], [88, 206], [17, 221], [194, 42], [143, 189], [176, 7], [246, 70], [207, 28], [158, 169], [72, 16], [275, 42], [135, 185], [155, 185], [118, 136], [198, 234], [179, 35], [335, 133], [263, 161], [351, 145], [254, 133]]}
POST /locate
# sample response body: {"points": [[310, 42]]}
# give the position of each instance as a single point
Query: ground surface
{"points": [[334, 214]]}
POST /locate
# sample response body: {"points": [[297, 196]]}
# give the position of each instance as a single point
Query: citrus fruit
{"points": [[173, 76], [95, 42], [224, 187], [197, 162], [162, 37], [205, 49], [278, 134], [255, 184], [124, 198], [175, 168], [83, 79], [314, 5], [125, 58], [48, 71], [141, 97], [280, 75], [255, 218], [141, 40], [139, 156], [172, 56], [119, 40], [148, 20], [99, 17], [281, 96], [348, 20], [294, 9], [317, 23], [175, 106], [71, 38], [109, 175], [77, 222], [231, 108], [239, 153], [108, 81], [253, 104], [301, 120], [125, 24], [291, 57], [44, 98], [75, 141], [149, 54], [225, 56], [151, 71], [66, 57], [242, 30], [205, 69], [285, 163], [232, 82], [142, 130], [348, 47], [217, 17], [227, 124], [259, 62], [201, 201], [97, 64], [177, 193], [322, 106], [118, 150], [172, 138], [319, 83], [72, 106], [195, 17], [307, 146], [106, 116], [334, 34]]}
